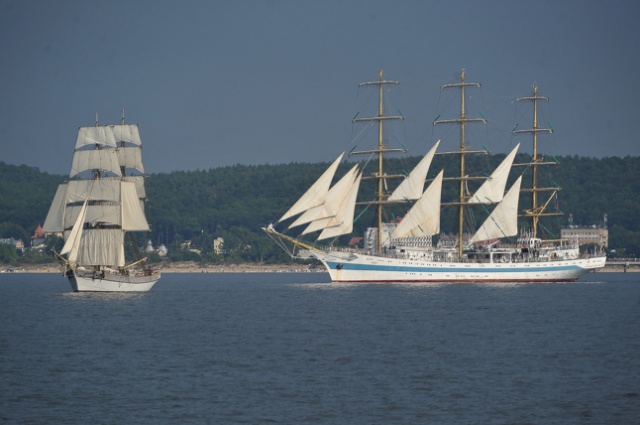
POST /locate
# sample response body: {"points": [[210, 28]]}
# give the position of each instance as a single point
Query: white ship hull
{"points": [[96, 282], [349, 267]]}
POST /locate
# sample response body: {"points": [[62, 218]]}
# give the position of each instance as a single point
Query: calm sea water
{"points": [[294, 349]]}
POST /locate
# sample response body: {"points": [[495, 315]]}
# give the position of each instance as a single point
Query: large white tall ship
{"points": [[98, 207], [413, 248]]}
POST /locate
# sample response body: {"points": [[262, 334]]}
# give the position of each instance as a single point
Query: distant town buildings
{"points": [[586, 235], [13, 242], [38, 237]]}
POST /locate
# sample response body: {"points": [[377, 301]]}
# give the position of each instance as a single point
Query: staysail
{"points": [[492, 190], [423, 219], [319, 216], [503, 220], [72, 244], [316, 194], [411, 187], [342, 223]]}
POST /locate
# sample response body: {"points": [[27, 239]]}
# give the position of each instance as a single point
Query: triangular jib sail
{"points": [[320, 216], [411, 187], [316, 194], [423, 219], [72, 243], [342, 222], [503, 220], [492, 190]]}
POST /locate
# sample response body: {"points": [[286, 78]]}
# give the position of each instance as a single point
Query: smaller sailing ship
{"points": [[98, 207], [403, 251]]}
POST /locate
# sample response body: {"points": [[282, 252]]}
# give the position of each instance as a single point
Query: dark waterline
{"points": [[295, 349]]}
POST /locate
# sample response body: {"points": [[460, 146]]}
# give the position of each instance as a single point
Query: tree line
{"points": [[187, 210]]}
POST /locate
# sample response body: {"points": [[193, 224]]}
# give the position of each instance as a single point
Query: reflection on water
{"points": [[102, 296]]}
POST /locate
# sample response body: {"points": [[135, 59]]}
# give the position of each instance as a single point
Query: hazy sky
{"points": [[215, 83]]}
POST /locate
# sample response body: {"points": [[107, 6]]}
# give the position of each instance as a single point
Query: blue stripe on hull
{"points": [[415, 269], [465, 280]]}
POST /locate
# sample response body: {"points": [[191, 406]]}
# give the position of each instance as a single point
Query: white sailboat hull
{"points": [[346, 267], [87, 281]]}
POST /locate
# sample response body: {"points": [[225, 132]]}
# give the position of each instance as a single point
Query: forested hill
{"points": [[234, 202]]}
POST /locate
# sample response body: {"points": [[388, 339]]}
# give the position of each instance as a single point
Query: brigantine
{"points": [[402, 251], [101, 202]]}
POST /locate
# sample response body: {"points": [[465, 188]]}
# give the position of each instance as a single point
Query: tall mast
{"points": [[464, 150], [379, 176], [536, 210]]}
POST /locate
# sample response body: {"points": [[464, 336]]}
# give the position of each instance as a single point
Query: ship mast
{"points": [[463, 151], [536, 210], [380, 151]]}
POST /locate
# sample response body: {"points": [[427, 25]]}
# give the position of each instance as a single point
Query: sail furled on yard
{"points": [[316, 194], [423, 219], [503, 220], [411, 187], [492, 190]]}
